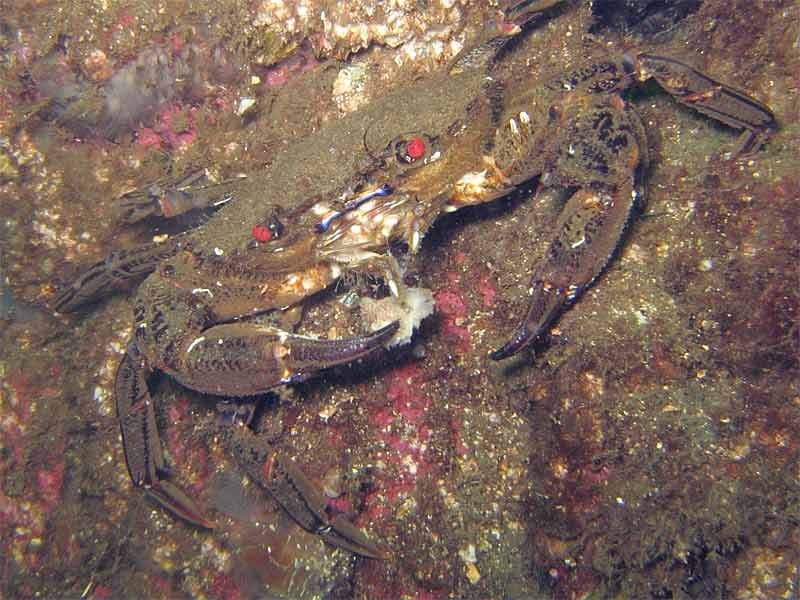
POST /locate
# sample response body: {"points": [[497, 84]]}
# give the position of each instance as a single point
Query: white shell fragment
{"points": [[416, 305], [244, 105]]}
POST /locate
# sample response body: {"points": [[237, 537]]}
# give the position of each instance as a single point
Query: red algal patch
{"points": [[458, 334], [339, 505], [376, 507], [336, 438], [175, 127], [456, 435], [403, 428], [177, 42], [384, 584], [224, 588], [197, 459], [23, 516], [487, 290], [178, 413], [102, 592], [148, 138], [597, 477], [17, 416], [383, 418], [49, 482], [453, 308], [404, 392], [160, 586], [451, 304], [301, 61]]}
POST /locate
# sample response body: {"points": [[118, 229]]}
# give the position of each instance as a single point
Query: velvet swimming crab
{"points": [[381, 175]]}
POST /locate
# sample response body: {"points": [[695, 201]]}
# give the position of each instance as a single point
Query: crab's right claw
{"points": [[242, 359], [144, 456]]}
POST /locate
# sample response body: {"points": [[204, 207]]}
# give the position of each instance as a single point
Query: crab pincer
{"points": [[265, 358], [240, 359]]}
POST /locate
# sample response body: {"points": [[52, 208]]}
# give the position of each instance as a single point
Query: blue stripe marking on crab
{"points": [[323, 225]]}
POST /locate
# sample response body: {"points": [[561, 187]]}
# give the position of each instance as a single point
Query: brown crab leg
{"points": [[249, 360], [604, 154], [118, 267], [297, 494], [172, 197], [144, 456], [712, 98], [588, 231]]}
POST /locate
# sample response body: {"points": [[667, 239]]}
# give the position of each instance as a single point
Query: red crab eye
{"points": [[261, 233], [264, 232], [409, 150], [415, 148]]}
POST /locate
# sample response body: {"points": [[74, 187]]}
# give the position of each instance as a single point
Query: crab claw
{"points": [[549, 300], [304, 355], [588, 233], [241, 359]]}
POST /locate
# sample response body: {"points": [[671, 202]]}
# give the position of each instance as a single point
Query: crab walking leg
{"points": [[144, 456], [301, 498], [697, 90], [236, 358], [597, 147], [118, 267], [602, 153], [588, 231], [169, 198], [601, 149]]}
